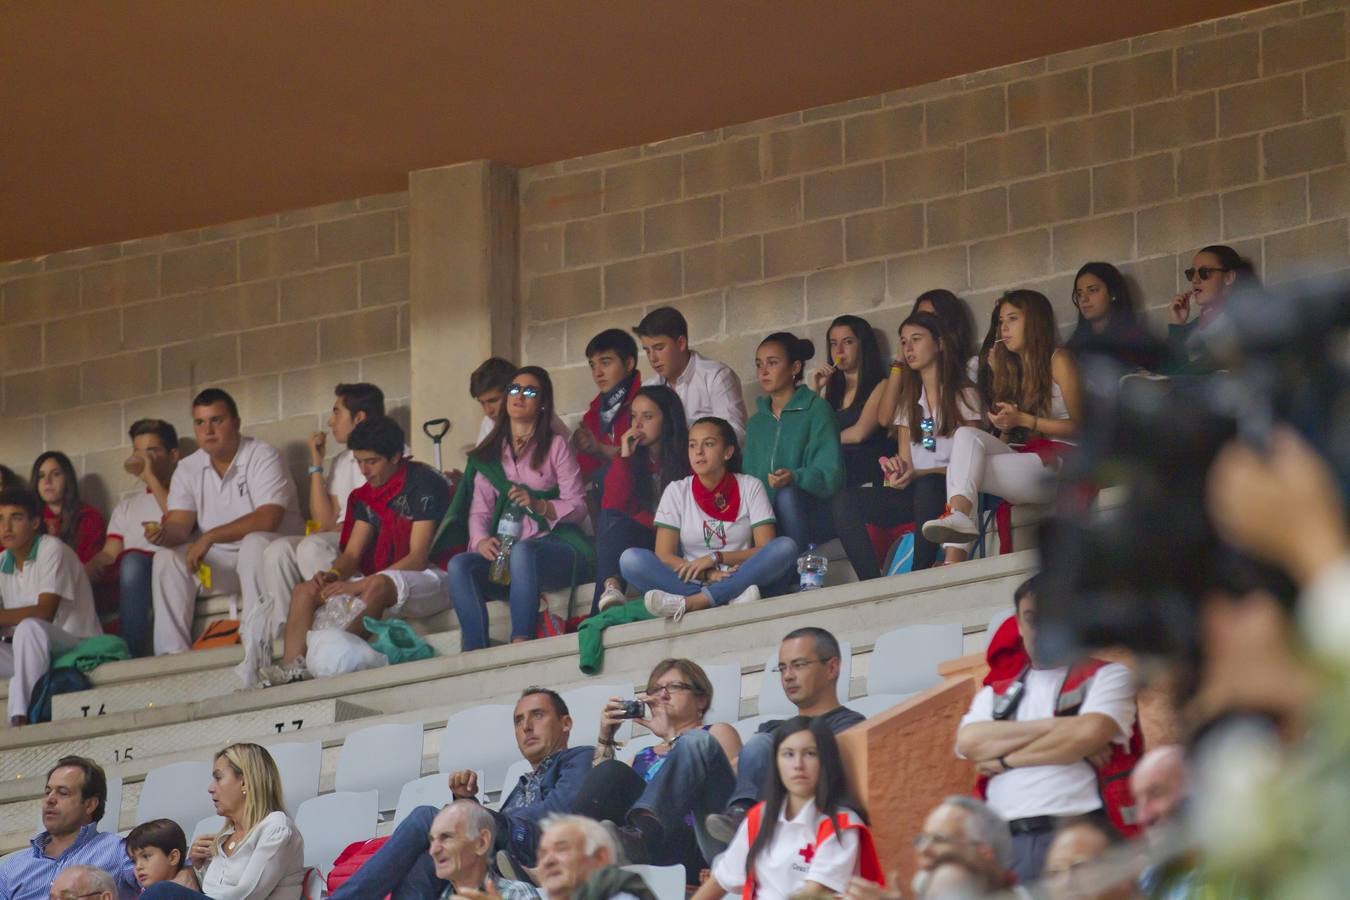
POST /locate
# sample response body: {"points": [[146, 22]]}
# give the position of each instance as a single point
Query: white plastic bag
{"points": [[256, 633], [334, 652]]}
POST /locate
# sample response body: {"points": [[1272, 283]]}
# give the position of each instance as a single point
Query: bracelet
{"points": [[606, 743], [333, 570], [316, 470], [1002, 761]]}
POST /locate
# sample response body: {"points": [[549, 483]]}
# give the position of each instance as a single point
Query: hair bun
{"points": [[805, 349]]}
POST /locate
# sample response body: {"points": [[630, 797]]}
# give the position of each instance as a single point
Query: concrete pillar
{"points": [[464, 306]]}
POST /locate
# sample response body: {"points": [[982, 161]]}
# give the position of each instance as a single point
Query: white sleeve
{"points": [[1325, 613], [269, 482], [835, 861], [970, 406], [756, 500], [669, 509], [1111, 693], [56, 572], [729, 866], [981, 710], [180, 494], [275, 856], [728, 401], [119, 523]]}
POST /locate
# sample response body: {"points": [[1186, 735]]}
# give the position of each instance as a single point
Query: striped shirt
{"points": [[28, 874]]}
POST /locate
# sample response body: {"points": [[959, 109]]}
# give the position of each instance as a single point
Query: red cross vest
{"points": [[869, 864], [1113, 778]]}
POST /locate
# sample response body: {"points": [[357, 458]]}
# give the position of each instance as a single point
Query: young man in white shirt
{"points": [[1041, 766], [706, 387], [127, 550], [48, 603], [237, 491], [292, 559]]}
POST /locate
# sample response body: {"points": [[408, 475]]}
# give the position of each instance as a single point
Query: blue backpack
{"points": [[64, 680]]}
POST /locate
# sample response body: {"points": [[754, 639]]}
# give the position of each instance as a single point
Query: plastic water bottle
{"points": [[508, 532], [811, 566]]}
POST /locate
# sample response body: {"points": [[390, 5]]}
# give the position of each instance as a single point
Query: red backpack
{"points": [[1113, 778], [869, 864], [351, 859]]}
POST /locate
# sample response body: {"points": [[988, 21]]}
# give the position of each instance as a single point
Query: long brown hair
{"points": [[952, 381], [1024, 378], [490, 450]]}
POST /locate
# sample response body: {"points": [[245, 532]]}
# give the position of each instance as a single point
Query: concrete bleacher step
{"points": [[426, 691]]}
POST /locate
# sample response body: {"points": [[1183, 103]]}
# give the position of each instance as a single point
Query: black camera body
{"points": [[633, 709]]}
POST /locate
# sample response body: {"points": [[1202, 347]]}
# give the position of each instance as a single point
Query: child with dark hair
{"points": [[388, 562], [806, 837], [652, 454], [64, 515], [612, 355], [158, 851], [792, 441]]}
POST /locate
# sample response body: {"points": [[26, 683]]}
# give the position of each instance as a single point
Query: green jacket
{"points": [[804, 438]]}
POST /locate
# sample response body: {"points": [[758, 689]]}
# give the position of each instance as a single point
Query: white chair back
{"points": [[329, 822], [178, 792], [482, 738], [726, 702], [905, 661], [585, 704], [382, 758], [112, 809], [666, 882], [298, 763]]}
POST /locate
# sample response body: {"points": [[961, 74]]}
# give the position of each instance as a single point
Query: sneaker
{"points": [[512, 871], [749, 595], [952, 527], [632, 847], [722, 826], [271, 676], [612, 597], [664, 604]]}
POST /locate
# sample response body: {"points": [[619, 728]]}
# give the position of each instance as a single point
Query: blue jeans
{"points": [[697, 777], [802, 516], [402, 866], [542, 563], [752, 769], [134, 602], [767, 568], [615, 534]]}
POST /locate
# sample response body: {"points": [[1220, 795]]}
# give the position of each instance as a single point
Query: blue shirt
{"points": [[28, 874]]}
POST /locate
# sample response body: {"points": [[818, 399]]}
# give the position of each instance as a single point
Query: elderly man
{"points": [[462, 837], [83, 882], [72, 806], [403, 868], [576, 862], [1159, 786]]}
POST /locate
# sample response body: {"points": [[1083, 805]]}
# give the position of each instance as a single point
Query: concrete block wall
{"points": [[276, 310], [1137, 152]]}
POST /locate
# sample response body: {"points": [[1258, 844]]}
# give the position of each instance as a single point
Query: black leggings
{"points": [[856, 508], [610, 790]]}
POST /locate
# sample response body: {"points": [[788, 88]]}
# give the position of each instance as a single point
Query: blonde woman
{"points": [[259, 854]]}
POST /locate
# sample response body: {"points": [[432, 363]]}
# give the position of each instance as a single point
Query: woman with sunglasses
{"points": [[1215, 272], [1036, 409], [647, 805], [521, 462], [935, 398]]}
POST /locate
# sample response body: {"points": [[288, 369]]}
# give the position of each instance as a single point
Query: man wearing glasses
{"points": [[70, 842], [808, 665]]}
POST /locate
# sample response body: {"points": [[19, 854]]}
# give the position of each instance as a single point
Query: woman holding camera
{"points": [[647, 806], [1036, 407]]}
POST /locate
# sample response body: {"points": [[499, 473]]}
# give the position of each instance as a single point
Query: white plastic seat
{"points": [[630, 750], [995, 623], [666, 882], [112, 809], [905, 661], [747, 727], [726, 684], [482, 738], [209, 825], [329, 822], [774, 704], [511, 779], [178, 792], [381, 758], [429, 790], [298, 763], [585, 703]]}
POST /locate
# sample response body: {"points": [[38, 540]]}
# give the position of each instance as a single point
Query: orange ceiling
{"points": [[121, 120]]}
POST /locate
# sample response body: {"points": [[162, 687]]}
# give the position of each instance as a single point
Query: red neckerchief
{"points": [[722, 502], [395, 534]]}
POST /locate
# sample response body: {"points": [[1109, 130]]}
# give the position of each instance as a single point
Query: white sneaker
{"points": [[664, 604], [952, 527], [749, 595], [612, 597]]}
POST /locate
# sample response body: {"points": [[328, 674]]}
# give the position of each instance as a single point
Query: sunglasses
{"points": [[528, 391], [1204, 272], [926, 426]]}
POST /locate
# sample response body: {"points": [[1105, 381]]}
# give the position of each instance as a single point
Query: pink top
{"points": [[560, 470]]}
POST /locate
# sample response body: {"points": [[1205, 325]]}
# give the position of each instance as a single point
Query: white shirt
{"points": [[344, 476], [256, 477], [701, 534], [1061, 790], [52, 568], [268, 864], [967, 407], [707, 387], [782, 868], [125, 524]]}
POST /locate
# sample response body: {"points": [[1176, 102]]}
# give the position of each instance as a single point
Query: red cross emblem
{"points": [[807, 852]]}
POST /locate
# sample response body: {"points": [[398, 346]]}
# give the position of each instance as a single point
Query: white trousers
{"points": [[234, 567], [420, 594], [291, 559], [981, 462], [36, 641]]}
